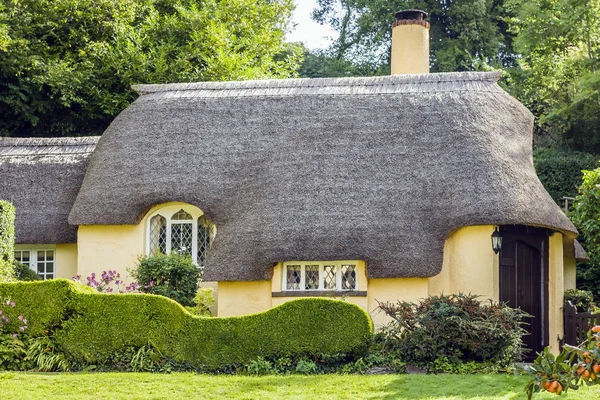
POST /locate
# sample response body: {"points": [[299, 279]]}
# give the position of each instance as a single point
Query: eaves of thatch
{"points": [[379, 169], [41, 177]]}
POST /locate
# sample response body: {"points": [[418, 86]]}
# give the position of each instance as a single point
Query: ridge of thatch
{"points": [[376, 169], [41, 177], [443, 82]]}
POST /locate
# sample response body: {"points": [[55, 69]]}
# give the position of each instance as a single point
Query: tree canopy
{"points": [[67, 66]]}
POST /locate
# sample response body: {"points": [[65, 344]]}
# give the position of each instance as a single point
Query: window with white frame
{"points": [[41, 261], [185, 230], [307, 275]]}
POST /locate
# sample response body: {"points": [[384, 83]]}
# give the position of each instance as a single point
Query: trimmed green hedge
{"points": [[7, 239], [89, 326], [560, 170]]}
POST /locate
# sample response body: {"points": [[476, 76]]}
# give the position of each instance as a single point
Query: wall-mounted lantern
{"points": [[496, 241]]}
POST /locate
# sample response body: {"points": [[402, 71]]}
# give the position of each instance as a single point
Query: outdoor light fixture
{"points": [[496, 241]]}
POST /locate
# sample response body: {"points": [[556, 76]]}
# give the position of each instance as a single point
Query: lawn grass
{"points": [[192, 386]]}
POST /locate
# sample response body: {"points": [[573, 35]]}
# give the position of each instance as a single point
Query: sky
{"points": [[313, 35]]}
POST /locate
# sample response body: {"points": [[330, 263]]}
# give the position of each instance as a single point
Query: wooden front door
{"points": [[524, 280]]}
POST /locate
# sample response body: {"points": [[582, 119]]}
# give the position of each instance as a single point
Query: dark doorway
{"points": [[524, 280]]}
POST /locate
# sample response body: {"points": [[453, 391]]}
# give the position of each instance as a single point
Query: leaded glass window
{"points": [[158, 235], [293, 277], [184, 230], [348, 277], [308, 276]]}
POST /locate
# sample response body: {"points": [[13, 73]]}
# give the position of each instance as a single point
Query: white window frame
{"points": [[167, 212], [34, 261], [322, 264]]}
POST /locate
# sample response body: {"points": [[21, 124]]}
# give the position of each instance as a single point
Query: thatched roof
{"points": [[41, 177], [580, 254], [379, 169]]}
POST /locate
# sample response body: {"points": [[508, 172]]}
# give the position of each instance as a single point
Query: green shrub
{"points": [[174, 276], [24, 273], [456, 327], [560, 170], [203, 301], [7, 239], [90, 327], [582, 299]]}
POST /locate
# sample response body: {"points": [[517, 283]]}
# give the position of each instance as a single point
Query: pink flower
{"points": [[20, 317], [15, 335]]}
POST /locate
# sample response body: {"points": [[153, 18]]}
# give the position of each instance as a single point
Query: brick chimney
{"points": [[410, 43]]}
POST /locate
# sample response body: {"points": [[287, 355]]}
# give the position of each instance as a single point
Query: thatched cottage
{"points": [[372, 189]]}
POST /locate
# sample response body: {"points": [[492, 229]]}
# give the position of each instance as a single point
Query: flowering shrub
{"points": [[110, 282], [12, 348], [5, 327], [573, 367]]}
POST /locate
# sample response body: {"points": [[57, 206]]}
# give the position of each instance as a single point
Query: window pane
{"points": [[49, 255], [181, 238], [348, 277], [41, 255], [181, 216], [158, 235], [50, 268], [329, 277], [311, 277], [205, 234], [293, 277], [40, 268], [25, 257]]}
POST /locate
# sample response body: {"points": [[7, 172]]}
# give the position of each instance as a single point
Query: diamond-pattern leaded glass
{"points": [[158, 235], [311, 277], [205, 236], [329, 277], [293, 277], [181, 238], [348, 277], [181, 216]]}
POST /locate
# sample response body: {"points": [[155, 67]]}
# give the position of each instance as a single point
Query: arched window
{"points": [[184, 229]]}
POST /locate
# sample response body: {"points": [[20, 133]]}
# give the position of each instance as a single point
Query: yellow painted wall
{"points": [[393, 289], [410, 49], [241, 298], [109, 247], [470, 265], [570, 272], [66, 260], [555, 290], [117, 247]]}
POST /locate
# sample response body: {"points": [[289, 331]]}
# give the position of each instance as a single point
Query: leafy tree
{"points": [[66, 66], [470, 35], [585, 214], [559, 75]]}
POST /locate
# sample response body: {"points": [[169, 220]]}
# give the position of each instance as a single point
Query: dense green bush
{"points": [[91, 327], [7, 239], [24, 273], [582, 299], [174, 276], [454, 329], [560, 170]]}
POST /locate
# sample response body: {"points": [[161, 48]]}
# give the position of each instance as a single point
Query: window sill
{"points": [[320, 293]]}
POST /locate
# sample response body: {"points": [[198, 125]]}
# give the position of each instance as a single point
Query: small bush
{"points": [[306, 367], [203, 301], [582, 299], [7, 240], [24, 273], [174, 276], [454, 329]]}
